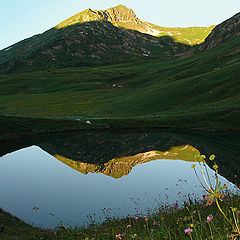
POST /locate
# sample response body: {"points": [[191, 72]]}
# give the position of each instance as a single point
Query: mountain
{"points": [[123, 17], [223, 32], [93, 38], [85, 44]]}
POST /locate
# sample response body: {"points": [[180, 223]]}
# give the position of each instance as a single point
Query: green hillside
{"points": [[158, 83], [201, 91]]}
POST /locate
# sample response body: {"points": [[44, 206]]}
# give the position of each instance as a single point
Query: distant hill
{"points": [[222, 33]]}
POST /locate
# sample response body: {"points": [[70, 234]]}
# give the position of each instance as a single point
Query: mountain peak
{"points": [[123, 17], [121, 6], [119, 14]]}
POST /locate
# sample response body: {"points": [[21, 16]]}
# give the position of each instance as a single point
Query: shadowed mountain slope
{"points": [[102, 37], [85, 44], [223, 32]]}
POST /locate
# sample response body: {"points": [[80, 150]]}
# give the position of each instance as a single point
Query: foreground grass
{"points": [[13, 228], [199, 220]]}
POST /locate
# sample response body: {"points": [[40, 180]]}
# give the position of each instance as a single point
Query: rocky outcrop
{"points": [[222, 33]]}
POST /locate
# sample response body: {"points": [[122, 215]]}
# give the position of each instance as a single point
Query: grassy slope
{"points": [[190, 35], [201, 91], [14, 228]]}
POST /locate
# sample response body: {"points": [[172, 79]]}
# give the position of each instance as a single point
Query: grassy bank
{"points": [[197, 219], [15, 126]]}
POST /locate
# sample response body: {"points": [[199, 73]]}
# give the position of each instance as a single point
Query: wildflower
{"points": [[123, 234], [215, 167], [235, 176], [215, 195], [118, 236], [212, 157], [136, 218], [191, 225], [155, 223], [188, 230], [144, 216], [234, 209], [194, 212], [209, 218], [128, 226]]}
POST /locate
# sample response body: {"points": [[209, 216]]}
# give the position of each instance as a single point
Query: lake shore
{"points": [[13, 127]]}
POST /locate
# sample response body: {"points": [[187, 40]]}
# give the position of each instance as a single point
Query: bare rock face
{"points": [[119, 14], [222, 33]]}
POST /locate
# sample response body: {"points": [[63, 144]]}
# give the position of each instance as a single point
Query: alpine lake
{"points": [[76, 178]]}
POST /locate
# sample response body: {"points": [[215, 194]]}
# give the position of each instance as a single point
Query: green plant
{"points": [[215, 193]]}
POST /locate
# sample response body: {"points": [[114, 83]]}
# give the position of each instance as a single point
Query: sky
{"points": [[20, 19]]}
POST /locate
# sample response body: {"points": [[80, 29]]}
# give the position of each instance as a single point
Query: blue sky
{"points": [[23, 18]]}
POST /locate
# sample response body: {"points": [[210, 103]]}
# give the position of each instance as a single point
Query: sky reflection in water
{"points": [[31, 177]]}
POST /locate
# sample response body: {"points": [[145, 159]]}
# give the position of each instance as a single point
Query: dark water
{"points": [[77, 177]]}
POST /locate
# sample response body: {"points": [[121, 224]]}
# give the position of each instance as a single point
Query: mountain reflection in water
{"points": [[115, 153], [103, 149], [118, 167], [35, 178]]}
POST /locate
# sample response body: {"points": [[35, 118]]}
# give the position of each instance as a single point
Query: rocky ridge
{"points": [[222, 33]]}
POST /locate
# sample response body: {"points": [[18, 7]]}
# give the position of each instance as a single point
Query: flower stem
{"points": [[209, 224], [236, 222], [223, 212]]}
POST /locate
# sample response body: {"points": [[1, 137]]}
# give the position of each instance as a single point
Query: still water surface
{"points": [[31, 177]]}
